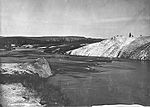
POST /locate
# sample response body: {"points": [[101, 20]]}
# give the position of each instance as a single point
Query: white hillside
{"points": [[107, 48], [129, 50]]}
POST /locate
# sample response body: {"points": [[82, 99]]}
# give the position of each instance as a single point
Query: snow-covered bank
{"points": [[118, 46]]}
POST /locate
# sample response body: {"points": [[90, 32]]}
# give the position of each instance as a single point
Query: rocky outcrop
{"points": [[40, 66]]}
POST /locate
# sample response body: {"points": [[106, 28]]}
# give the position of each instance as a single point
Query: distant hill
{"points": [[59, 38], [5, 42]]}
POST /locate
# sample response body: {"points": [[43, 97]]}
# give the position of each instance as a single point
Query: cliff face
{"points": [[107, 48], [40, 66]]}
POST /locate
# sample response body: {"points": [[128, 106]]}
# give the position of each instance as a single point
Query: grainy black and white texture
{"points": [[57, 53]]}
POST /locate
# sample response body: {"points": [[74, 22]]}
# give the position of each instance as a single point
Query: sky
{"points": [[91, 18]]}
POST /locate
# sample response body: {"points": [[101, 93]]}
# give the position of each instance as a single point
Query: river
{"points": [[95, 81], [100, 83]]}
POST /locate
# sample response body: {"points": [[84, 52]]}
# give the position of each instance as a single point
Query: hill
{"points": [[117, 47], [107, 48], [52, 44]]}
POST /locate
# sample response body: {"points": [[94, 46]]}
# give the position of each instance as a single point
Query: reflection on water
{"points": [[119, 82]]}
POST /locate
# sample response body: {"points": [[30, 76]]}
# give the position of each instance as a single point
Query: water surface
{"points": [[95, 83]]}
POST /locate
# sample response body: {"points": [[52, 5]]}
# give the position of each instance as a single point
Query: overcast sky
{"points": [[94, 18]]}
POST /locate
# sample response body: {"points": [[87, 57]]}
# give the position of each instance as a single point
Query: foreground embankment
{"points": [[25, 84]]}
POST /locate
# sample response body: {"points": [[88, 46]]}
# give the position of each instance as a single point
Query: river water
{"points": [[95, 81], [100, 83]]}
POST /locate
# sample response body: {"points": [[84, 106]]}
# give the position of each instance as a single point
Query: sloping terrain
{"points": [[106, 48], [133, 46], [142, 52], [117, 47], [63, 48]]}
